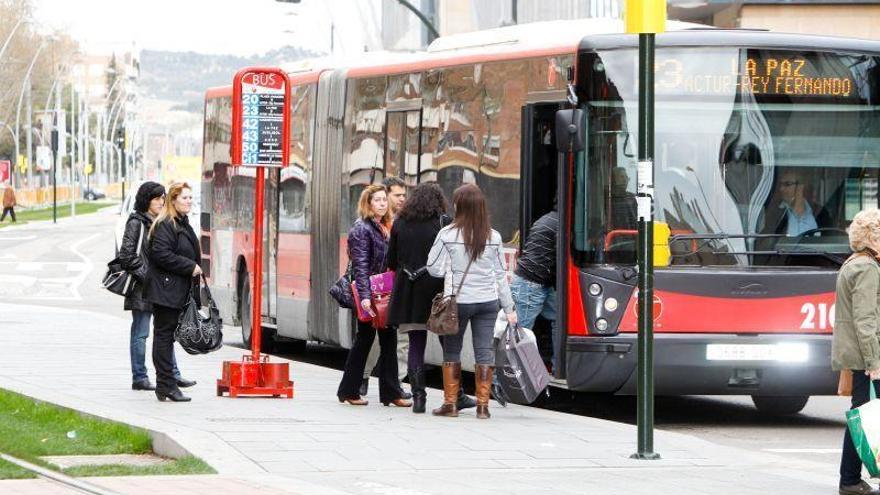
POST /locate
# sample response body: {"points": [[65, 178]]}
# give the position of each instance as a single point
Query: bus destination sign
{"points": [[761, 74], [262, 117]]}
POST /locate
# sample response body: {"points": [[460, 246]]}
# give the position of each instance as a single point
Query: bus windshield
{"points": [[762, 157]]}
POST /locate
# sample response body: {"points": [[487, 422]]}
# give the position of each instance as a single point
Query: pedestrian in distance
{"points": [[467, 254], [367, 246], [413, 234], [856, 340], [396, 190], [9, 203], [172, 276], [148, 204], [534, 280]]}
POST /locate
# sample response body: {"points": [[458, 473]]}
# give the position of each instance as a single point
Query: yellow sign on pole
{"points": [[87, 169], [645, 16], [22, 163]]}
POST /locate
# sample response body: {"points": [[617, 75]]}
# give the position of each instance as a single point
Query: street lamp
{"points": [[26, 80], [21, 20], [422, 17]]}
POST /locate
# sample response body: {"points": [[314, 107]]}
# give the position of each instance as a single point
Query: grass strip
{"points": [[30, 429], [9, 471], [184, 465], [82, 208]]}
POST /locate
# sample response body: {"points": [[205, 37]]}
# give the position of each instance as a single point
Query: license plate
{"points": [[788, 352]]}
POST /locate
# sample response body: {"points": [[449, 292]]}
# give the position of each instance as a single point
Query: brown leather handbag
{"points": [[443, 319]]}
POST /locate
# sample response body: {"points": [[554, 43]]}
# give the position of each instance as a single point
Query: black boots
{"points": [[184, 383], [417, 385], [464, 402], [142, 385], [174, 396]]}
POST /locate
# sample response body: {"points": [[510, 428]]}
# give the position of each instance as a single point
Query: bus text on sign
{"points": [[261, 114], [762, 73]]}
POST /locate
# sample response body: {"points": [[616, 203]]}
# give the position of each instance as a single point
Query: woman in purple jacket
{"points": [[367, 245]]}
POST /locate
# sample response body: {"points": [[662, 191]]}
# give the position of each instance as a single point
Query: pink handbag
{"points": [[381, 286]]}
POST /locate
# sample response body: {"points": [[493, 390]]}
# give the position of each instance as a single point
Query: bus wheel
{"points": [[780, 406], [267, 340]]}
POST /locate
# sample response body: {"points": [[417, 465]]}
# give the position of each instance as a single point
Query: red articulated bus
{"points": [[766, 147]]}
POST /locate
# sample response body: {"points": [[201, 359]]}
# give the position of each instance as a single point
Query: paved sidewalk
{"points": [[312, 444]]}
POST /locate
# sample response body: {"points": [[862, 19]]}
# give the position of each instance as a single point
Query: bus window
{"points": [[759, 174]]}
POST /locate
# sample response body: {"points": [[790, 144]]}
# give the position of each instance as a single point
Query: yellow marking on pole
{"points": [[645, 16]]}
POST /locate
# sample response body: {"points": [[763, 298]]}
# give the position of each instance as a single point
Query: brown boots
{"points": [[483, 376], [452, 385]]}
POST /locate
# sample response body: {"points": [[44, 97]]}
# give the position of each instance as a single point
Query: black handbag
{"points": [[199, 331], [341, 290], [118, 280]]}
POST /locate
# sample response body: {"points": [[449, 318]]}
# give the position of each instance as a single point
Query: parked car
{"points": [[93, 193]]}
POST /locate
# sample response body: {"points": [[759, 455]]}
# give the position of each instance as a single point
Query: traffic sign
{"points": [[645, 16], [5, 170], [260, 113]]}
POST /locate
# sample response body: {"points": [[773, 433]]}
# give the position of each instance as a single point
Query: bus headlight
{"points": [[611, 304], [595, 289], [601, 324]]}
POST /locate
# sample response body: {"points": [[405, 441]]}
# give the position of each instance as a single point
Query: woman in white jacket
{"points": [[467, 254]]}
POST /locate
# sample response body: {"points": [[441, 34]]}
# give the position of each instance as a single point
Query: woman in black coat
{"points": [[148, 204], [413, 233], [174, 263]]}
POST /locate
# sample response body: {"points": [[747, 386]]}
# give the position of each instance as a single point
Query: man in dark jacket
{"points": [[149, 200], [534, 280]]}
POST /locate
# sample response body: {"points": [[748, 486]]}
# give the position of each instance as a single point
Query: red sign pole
{"points": [[260, 139], [257, 306]]}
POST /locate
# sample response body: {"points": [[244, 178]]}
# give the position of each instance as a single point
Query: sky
{"points": [[239, 27]]}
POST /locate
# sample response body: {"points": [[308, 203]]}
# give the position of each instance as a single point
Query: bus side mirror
{"points": [[570, 130]]}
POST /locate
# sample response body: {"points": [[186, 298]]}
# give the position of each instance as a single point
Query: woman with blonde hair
{"points": [[367, 246], [172, 274], [855, 345], [467, 254]]}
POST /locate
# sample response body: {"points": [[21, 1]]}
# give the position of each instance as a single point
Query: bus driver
{"points": [[793, 215]]}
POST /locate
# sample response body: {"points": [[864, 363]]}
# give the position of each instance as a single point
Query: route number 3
{"points": [[817, 316]]}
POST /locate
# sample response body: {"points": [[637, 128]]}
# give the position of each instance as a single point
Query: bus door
{"points": [[539, 180], [270, 247], [403, 144]]}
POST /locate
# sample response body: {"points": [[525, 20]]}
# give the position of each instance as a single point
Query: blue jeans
{"points": [[482, 317], [140, 330], [532, 300]]}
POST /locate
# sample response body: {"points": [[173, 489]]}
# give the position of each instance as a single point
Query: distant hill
{"points": [[184, 76]]}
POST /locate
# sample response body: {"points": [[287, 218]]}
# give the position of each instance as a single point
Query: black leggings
{"points": [[8, 210], [164, 323], [389, 383], [418, 340]]}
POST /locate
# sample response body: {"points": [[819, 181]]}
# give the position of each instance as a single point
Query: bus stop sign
{"points": [[260, 118], [260, 139]]}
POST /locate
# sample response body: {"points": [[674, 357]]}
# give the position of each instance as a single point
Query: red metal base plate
{"points": [[248, 377]]}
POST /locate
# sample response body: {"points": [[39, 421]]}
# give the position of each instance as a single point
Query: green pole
{"points": [[645, 198]]}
